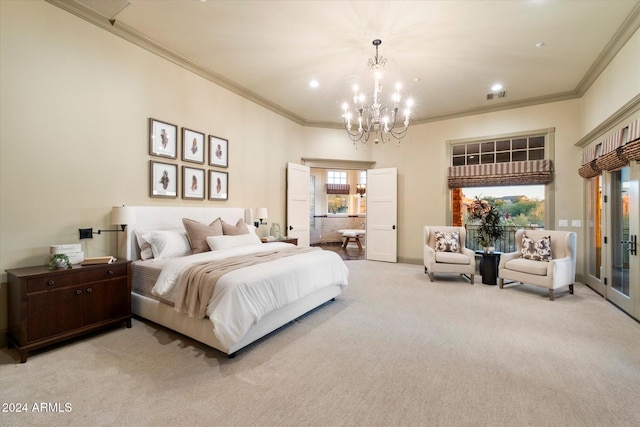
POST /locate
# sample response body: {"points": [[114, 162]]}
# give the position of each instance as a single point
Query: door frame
{"points": [[595, 283]]}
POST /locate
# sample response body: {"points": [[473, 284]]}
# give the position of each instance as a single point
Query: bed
{"points": [[279, 290]]}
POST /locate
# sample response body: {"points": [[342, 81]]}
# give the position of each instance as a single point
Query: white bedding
{"points": [[242, 297]]}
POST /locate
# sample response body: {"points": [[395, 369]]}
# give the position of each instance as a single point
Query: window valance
{"points": [[338, 189], [612, 153], [509, 173]]}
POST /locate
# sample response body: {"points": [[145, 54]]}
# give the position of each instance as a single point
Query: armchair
{"points": [[444, 257], [558, 272]]}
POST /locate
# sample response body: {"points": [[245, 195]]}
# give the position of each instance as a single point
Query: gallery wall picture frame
{"points": [[163, 179], [193, 146], [218, 185], [163, 139], [218, 151], [193, 183]]}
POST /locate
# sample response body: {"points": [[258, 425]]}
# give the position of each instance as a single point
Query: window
{"points": [[336, 177], [520, 206], [338, 197], [337, 203], [520, 161], [501, 150], [361, 190]]}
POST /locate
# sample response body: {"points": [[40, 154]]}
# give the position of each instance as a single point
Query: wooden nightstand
{"points": [[284, 239], [49, 306]]}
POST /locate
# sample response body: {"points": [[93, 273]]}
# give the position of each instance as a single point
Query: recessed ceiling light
{"points": [[314, 83], [496, 87], [540, 44]]}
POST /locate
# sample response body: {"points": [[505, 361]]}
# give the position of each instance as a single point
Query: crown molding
{"points": [[617, 42], [624, 33], [337, 164], [127, 33], [614, 121]]}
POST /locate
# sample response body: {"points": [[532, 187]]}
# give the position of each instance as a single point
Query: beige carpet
{"points": [[393, 350]]}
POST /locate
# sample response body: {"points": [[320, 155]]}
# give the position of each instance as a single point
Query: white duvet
{"points": [[242, 297]]}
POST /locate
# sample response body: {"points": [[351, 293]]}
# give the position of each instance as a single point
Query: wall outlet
{"points": [[563, 223], [576, 223]]}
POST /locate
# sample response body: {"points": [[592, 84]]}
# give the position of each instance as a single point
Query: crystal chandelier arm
{"points": [[378, 118]]}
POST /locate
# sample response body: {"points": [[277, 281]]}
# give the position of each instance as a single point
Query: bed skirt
{"points": [[202, 329]]}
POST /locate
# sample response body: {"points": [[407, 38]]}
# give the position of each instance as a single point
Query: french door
{"points": [[622, 219], [594, 237]]}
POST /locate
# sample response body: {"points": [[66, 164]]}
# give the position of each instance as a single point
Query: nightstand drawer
{"points": [[52, 282], [105, 272], [76, 277]]}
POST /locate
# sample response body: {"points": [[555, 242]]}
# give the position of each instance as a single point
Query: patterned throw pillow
{"points": [[536, 250], [447, 242]]}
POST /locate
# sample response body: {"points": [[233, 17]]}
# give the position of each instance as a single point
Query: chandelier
{"points": [[378, 118]]}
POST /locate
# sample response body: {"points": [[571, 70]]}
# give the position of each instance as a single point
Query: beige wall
{"points": [[73, 138], [75, 106], [618, 84]]}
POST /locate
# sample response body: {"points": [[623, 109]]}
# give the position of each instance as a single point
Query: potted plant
{"points": [[490, 228], [59, 260]]}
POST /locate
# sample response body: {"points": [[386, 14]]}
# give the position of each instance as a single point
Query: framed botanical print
{"points": [[218, 185], [193, 183], [163, 179], [192, 146], [163, 139], [218, 151]]}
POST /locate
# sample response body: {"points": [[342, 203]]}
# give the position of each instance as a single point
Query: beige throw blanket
{"points": [[197, 283]]}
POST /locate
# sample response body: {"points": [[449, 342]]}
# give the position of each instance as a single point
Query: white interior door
{"points": [[382, 214], [298, 203]]}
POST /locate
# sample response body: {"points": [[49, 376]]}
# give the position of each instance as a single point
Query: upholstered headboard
{"points": [[170, 217]]}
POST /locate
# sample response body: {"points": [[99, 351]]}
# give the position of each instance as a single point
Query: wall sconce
{"points": [[361, 189], [261, 213], [120, 215]]}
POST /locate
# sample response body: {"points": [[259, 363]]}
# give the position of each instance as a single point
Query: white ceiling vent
{"points": [[496, 95]]}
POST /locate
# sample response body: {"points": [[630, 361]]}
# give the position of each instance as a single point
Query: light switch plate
{"points": [[563, 223], [576, 223]]}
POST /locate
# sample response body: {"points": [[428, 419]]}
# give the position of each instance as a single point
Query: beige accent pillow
{"points": [[198, 233], [234, 230]]}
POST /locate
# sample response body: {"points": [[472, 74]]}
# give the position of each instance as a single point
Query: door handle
{"points": [[393, 227], [633, 244], [290, 227]]}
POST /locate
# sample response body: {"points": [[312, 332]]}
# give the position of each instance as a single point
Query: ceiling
{"points": [[447, 54]]}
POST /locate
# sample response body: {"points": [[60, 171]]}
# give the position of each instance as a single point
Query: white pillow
{"points": [[231, 241], [251, 228], [145, 247], [168, 243]]}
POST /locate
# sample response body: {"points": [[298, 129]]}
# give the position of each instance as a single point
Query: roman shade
{"points": [[509, 173], [338, 189], [612, 153]]}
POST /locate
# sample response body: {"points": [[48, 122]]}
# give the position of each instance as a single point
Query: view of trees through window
{"points": [[337, 203], [521, 206], [518, 206]]}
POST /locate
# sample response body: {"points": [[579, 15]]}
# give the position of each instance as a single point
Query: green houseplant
{"points": [[58, 259], [490, 228]]}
